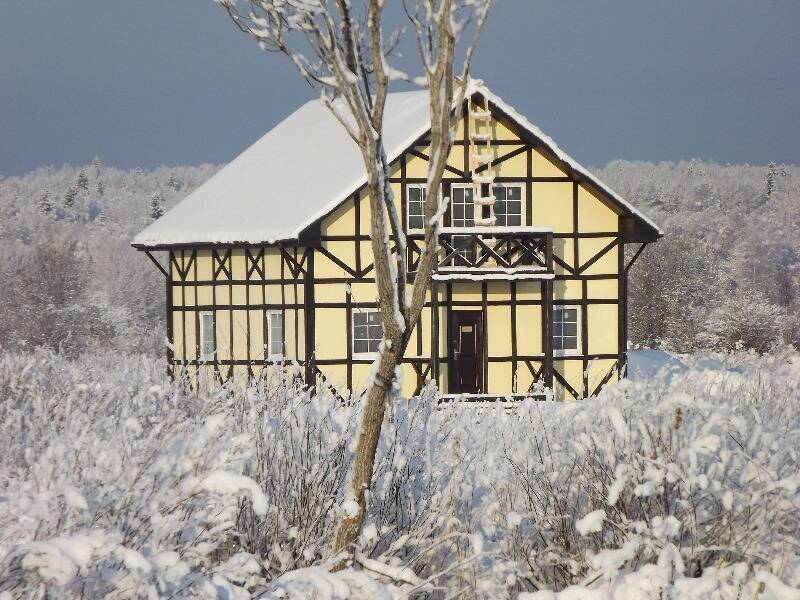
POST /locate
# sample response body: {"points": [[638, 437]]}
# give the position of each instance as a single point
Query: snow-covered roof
{"points": [[303, 169]]}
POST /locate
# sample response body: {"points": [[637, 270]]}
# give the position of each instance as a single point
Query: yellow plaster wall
{"points": [[594, 214], [544, 167], [529, 330], [603, 329], [552, 207]]}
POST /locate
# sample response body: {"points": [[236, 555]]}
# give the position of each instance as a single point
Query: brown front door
{"points": [[467, 352]]}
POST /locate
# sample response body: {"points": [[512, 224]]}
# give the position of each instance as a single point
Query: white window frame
{"points": [[204, 332], [409, 187], [362, 311], [270, 354], [466, 186], [523, 196], [578, 333]]}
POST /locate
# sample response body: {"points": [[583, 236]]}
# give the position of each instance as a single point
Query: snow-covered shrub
{"points": [[651, 484], [114, 481], [672, 485]]}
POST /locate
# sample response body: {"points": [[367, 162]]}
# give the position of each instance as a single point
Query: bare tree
{"points": [[348, 64]]}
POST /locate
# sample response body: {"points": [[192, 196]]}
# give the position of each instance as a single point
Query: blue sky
{"points": [[171, 82]]}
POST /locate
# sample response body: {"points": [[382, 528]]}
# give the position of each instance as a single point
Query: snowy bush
{"points": [[114, 482]]}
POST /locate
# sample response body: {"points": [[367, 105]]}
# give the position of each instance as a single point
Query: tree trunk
{"points": [[366, 446]]}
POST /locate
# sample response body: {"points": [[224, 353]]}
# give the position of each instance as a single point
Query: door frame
{"points": [[481, 348]]}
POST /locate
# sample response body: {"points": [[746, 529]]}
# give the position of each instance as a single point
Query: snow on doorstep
{"points": [[301, 170]]}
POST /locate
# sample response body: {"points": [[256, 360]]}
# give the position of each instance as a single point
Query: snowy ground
{"points": [[681, 482]]}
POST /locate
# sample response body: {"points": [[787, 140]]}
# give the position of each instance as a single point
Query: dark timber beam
{"points": [[308, 313], [635, 256], [156, 263]]}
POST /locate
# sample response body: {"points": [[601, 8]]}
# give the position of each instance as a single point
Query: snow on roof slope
{"points": [[301, 170], [284, 182]]}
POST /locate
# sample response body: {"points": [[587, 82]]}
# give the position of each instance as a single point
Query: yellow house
{"points": [[270, 260]]}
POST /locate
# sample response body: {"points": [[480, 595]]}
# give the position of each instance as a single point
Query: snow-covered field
{"points": [[679, 483]]}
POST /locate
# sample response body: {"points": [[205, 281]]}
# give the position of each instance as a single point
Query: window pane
{"points": [[275, 334], [207, 346], [367, 331], [513, 193], [514, 221], [565, 329], [415, 207]]}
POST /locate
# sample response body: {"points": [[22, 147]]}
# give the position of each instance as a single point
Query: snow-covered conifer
{"points": [[156, 205]]}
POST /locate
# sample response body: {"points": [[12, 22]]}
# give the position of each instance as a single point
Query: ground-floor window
{"points": [[275, 323], [208, 345], [566, 321], [367, 332]]}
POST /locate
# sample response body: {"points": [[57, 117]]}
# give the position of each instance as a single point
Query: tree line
{"points": [[725, 275]]}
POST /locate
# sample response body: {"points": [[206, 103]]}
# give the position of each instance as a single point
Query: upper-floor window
{"points": [[208, 343], [415, 206], [508, 205], [367, 331], [566, 323], [462, 208], [275, 333]]}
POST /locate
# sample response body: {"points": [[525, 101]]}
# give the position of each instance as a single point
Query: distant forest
{"points": [[726, 275]]}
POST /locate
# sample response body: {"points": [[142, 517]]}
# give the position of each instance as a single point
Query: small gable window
{"points": [[566, 320], [367, 332], [208, 344], [508, 205], [415, 206]]}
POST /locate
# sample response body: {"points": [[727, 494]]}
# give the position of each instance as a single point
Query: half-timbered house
{"points": [[270, 260]]}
